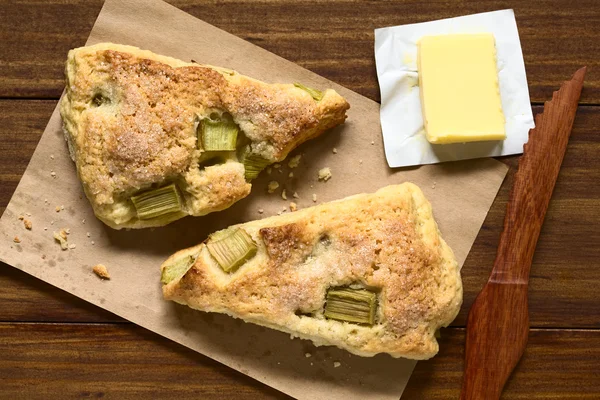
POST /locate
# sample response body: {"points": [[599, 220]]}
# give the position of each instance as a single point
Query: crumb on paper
{"points": [[284, 209], [272, 186], [308, 355], [295, 195], [45, 228], [260, 211], [334, 150], [16, 239], [28, 224], [325, 174], [53, 174], [93, 243], [72, 246], [295, 161], [57, 209], [284, 194], [279, 212], [433, 185], [61, 238], [88, 234], [46, 201], [314, 197], [360, 161], [269, 170], [372, 143], [28, 214], [83, 221], [52, 156], [68, 231], [51, 222], [336, 364], [62, 207], [291, 175], [21, 217], [101, 271], [293, 206]]}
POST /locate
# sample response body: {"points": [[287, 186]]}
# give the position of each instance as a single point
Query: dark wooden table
{"points": [[54, 346]]}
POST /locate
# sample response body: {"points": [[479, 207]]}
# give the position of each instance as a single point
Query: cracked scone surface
{"points": [[131, 116], [387, 242]]}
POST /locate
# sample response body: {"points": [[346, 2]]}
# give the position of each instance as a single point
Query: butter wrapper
{"points": [[401, 116]]}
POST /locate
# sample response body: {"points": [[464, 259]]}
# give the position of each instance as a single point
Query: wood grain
{"points": [[47, 361], [334, 39], [498, 322], [331, 38]]}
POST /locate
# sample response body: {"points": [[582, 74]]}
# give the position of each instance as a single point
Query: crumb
{"points": [[21, 217], [93, 243], [28, 214], [83, 221], [269, 170], [311, 363], [260, 211], [307, 355], [284, 209], [53, 174], [334, 150], [52, 156], [273, 185], [61, 237], [46, 201], [295, 161], [372, 143], [293, 206], [324, 174], [311, 186], [283, 194], [101, 271], [28, 224], [291, 175], [433, 186], [295, 195], [62, 207], [315, 197], [88, 234], [57, 209], [72, 246], [45, 228], [51, 222], [43, 256], [68, 231], [336, 364], [279, 212], [360, 161], [276, 166], [17, 239]]}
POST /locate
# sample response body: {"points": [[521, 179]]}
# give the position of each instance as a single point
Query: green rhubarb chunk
{"points": [[317, 95], [219, 135], [231, 248], [157, 202], [177, 270], [253, 163], [351, 305]]}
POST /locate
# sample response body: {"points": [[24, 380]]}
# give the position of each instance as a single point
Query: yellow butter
{"points": [[460, 96]]}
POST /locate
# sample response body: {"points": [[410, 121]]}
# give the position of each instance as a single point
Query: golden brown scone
{"points": [[387, 242], [131, 119]]}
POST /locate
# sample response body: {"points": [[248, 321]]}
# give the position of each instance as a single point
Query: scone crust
{"points": [[130, 118], [387, 241]]}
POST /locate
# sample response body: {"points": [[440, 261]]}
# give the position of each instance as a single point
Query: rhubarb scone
{"points": [[155, 138], [369, 274]]}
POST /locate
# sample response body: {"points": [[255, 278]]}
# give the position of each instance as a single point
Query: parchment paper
{"points": [[461, 194], [401, 115]]}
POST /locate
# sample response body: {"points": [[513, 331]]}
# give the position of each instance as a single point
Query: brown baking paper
{"points": [[461, 194]]}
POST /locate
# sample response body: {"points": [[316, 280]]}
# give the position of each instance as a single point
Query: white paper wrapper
{"points": [[401, 117]]}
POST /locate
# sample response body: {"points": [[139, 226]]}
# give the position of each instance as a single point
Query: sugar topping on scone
{"points": [[369, 274], [136, 121]]}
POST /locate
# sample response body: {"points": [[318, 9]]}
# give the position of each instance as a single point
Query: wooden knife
{"points": [[498, 323]]}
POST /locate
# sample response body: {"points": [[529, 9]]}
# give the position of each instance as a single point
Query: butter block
{"points": [[460, 96]]}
